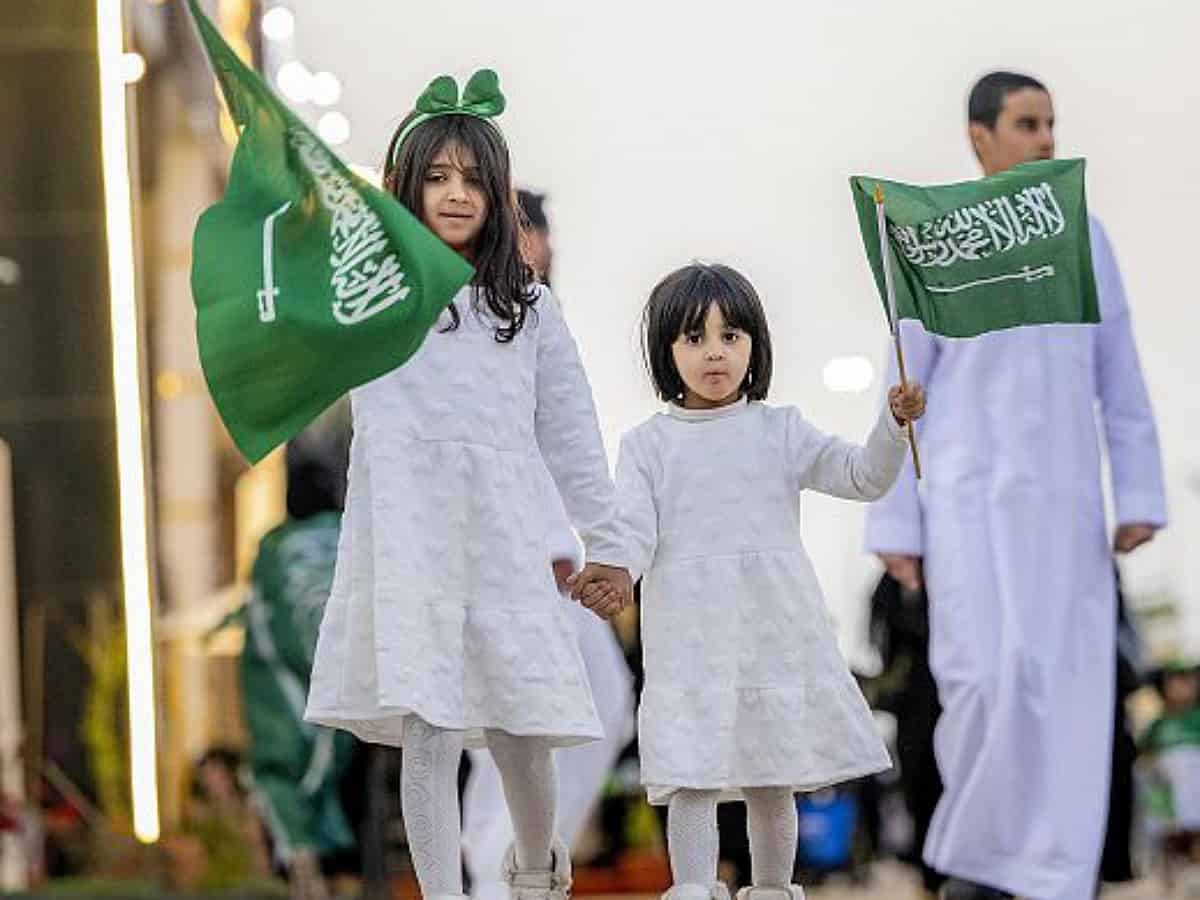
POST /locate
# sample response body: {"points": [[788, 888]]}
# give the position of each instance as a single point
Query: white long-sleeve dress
{"points": [[443, 602], [745, 684]]}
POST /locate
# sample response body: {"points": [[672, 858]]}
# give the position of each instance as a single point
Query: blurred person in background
{"points": [[582, 770], [298, 768], [899, 630], [1008, 534], [223, 824], [1116, 862], [1170, 749], [538, 249]]}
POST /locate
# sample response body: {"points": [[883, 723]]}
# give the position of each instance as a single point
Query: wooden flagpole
{"points": [[893, 319]]}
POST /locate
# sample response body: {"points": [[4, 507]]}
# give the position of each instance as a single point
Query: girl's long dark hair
{"points": [[505, 278]]}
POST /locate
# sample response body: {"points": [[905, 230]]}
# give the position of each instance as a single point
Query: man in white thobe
{"points": [[1007, 530]]}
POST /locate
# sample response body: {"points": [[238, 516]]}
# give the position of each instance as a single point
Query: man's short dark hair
{"points": [[533, 206], [987, 97]]}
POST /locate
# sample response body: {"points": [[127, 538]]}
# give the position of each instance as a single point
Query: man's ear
{"points": [[979, 135]]}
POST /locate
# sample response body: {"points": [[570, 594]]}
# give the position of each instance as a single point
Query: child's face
{"points": [[218, 781], [712, 362], [454, 203], [1180, 690]]}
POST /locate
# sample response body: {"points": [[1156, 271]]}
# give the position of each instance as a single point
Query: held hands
{"points": [[605, 590], [907, 403]]}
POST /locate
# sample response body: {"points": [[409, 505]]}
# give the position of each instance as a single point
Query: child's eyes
{"points": [[696, 338], [438, 177]]}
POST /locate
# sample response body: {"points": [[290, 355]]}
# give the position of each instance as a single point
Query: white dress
{"points": [[443, 602], [1009, 518], [745, 685]]}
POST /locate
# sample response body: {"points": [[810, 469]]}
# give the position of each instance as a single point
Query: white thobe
{"points": [[1009, 518]]}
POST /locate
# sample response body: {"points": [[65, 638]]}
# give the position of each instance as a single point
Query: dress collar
{"points": [[704, 415]]}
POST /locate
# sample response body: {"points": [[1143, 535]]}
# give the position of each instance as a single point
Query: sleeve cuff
{"points": [[1141, 509], [609, 553], [885, 536], [895, 430], [567, 549]]}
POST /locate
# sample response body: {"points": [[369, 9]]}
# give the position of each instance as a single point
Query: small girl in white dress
{"points": [[746, 693], [445, 626]]}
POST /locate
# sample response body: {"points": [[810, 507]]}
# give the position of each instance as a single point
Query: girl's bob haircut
{"points": [[678, 305]]}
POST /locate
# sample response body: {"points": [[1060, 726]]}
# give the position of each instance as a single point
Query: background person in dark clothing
{"points": [[906, 688]]}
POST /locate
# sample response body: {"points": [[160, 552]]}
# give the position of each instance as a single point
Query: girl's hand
{"points": [[602, 599], [613, 591], [907, 403]]}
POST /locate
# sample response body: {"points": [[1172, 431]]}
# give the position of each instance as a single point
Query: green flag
{"points": [[307, 280], [968, 258]]}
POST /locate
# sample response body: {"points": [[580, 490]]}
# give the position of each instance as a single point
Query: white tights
{"points": [[429, 800], [692, 836]]}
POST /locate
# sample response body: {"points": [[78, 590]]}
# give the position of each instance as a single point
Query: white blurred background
{"points": [[667, 131]]}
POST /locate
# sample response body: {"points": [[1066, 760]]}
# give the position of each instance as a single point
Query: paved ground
{"points": [[892, 881], [896, 882]]}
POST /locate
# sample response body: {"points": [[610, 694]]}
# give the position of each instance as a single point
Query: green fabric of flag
{"points": [[307, 280], [1011, 249], [1179, 730]]}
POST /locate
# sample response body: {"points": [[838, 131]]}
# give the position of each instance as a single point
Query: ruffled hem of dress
{"points": [[659, 794], [388, 728]]}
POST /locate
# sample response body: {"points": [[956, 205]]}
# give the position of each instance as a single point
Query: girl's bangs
{"points": [[701, 292]]}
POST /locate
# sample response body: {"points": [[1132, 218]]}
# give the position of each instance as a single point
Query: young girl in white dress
{"points": [[445, 626], [746, 694]]}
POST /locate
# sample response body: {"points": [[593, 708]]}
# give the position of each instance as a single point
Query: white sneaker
{"points": [[791, 892], [539, 884], [716, 891]]}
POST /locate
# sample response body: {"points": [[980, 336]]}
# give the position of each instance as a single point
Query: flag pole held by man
{"points": [[307, 280]]}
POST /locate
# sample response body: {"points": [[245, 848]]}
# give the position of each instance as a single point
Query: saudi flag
{"points": [[1007, 250], [307, 280]]}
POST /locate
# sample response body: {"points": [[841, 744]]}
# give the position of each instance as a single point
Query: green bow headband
{"points": [[481, 98]]}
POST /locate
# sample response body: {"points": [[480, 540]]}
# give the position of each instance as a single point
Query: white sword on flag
{"points": [[266, 296], [893, 319]]}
